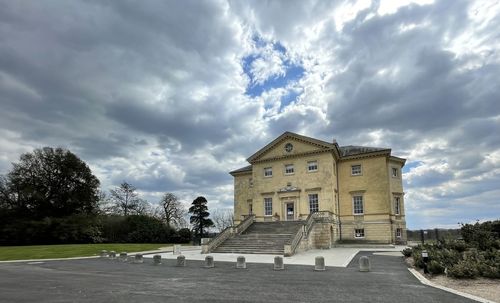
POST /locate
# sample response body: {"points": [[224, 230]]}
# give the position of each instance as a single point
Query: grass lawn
{"points": [[70, 250]]}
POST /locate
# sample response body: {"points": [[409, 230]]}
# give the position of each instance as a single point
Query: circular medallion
{"points": [[288, 147]]}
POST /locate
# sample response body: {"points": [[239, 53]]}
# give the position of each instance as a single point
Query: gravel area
{"points": [[481, 287]]}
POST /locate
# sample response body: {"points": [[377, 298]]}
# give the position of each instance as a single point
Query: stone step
{"points": [[259, 239], [265, 252], [262, 238], [252, 246], [254, 243], [255, 235]]}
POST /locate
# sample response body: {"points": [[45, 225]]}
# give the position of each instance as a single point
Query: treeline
{"points": [[90, 229], [51, 197], [433, 234]]}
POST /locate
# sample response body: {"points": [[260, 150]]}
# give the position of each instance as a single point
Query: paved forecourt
{"points": [[107, 280], [337, 257]]}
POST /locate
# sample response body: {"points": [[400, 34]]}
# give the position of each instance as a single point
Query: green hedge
{"points": [[90, 229]]}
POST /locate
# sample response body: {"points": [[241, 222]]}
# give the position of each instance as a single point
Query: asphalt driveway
{"points": [[102, 280]]}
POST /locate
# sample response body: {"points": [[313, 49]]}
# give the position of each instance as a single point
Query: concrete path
{"points": [[105, 280], [337, 257]]}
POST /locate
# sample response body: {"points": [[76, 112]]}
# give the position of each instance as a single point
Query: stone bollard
{"points": [[156, 259], [209, 262], [177, 249], [138, 259], [240, 262], [278, 263], [112, 254], [104, 253], [181, 260], [319, 264], [364, 264], [123, 257]]}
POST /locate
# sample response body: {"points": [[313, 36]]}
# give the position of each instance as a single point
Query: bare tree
{"points": [[126, 201], [223, 218], [173, 211], [106, 206]]}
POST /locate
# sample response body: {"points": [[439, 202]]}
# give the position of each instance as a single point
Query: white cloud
{"points": [[156, 94], [391, 7]]}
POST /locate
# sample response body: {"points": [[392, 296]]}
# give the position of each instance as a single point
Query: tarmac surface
{"points": [[104, 280]]}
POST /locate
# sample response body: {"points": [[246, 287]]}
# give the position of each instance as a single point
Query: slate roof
{"points": [[243, 169], [351, 150]]}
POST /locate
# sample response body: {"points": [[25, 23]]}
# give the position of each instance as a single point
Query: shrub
{"points": [[489, 270], [464, 269], [457, 245], [147, 229], [481, 235], [407, 252], [435, 267], [450, 257], [136, 229], [183, 235], [71, 229]]}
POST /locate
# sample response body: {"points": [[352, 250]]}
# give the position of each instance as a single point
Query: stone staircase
{"points": [[262, 238]]}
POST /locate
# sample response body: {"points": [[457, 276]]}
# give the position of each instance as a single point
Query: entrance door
{"points": [[289, 212]]}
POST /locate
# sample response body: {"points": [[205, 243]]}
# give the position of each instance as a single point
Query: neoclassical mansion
{"points": [[293, 176]]}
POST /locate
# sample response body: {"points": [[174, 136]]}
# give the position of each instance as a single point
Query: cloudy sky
{"points": [[171, 95]]}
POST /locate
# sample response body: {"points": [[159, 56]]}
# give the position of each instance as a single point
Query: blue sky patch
{"points": [[293, 72], [408, 166]]}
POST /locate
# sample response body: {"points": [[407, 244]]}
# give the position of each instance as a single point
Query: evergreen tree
{"points": [[199, 218]]}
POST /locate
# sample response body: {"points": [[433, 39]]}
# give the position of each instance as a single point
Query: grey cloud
{"points": [[145, 92]]}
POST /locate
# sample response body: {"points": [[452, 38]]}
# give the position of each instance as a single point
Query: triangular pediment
{"points": [[290, 144]]}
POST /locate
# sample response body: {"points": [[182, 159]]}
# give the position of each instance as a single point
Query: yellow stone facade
{"points": [[360, 186]]}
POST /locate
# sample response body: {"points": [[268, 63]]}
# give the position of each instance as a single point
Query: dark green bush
{"points": [[481, 235], [464, 269], [136, 229], [476, 255], [449, 257], [457, 245], [435, 267], [407, 252], [183, 235], [489, 270], [71, 229]]}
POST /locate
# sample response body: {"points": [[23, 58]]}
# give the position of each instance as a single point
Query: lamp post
{"points": [[425, 257]]}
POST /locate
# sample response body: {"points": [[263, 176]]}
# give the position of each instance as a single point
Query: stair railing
{"points": [[304, 231], [309, 224], [244, 224], [226, 234], [289, 249]]}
